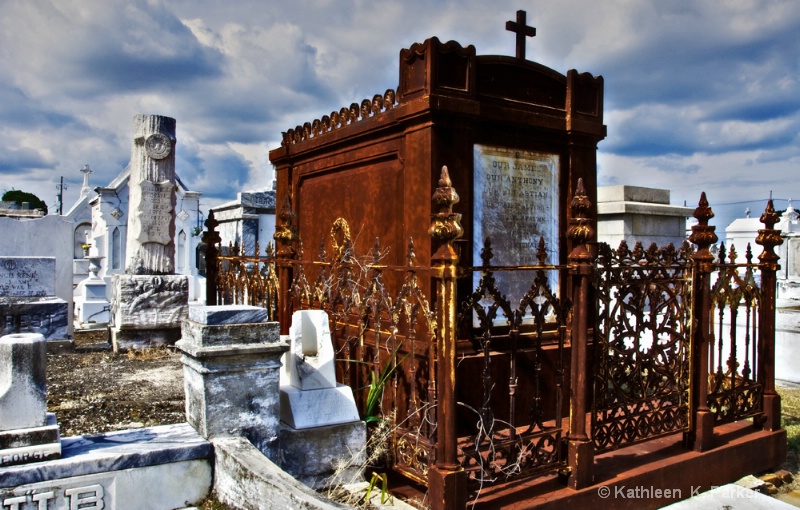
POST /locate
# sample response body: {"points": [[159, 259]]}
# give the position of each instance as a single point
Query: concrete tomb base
{"points": [[231, 374], [28, 433], [157, 468], [339, 453], [147, 310], [91, 305]]}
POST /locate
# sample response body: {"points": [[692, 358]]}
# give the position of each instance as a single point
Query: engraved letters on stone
{"points": [[516, 196], [151, 220], [156, 205]]}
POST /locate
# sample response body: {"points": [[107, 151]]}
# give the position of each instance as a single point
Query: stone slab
{"points": [[17, 438], [731, 496], [340, 452], [23, 381], [229, 334], [158, 487], [302, 409], [23, 446], [310, 360], [127, 449], [27, 276], [46, 316], [131, 339], [149, 301], [247, 480], [624, 193], [641, 208], [227, 314]]}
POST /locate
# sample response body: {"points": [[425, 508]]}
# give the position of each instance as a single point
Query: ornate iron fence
{"points": [[641, 376], [672, 352], [524, 434]]}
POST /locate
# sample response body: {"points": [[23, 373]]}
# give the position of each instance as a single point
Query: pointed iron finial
{"points": [[411, 255], [445, 224], [703, 234], [580, 230]]}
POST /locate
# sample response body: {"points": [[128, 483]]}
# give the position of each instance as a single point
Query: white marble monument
{"points": [[149, 301], [317, 413]]}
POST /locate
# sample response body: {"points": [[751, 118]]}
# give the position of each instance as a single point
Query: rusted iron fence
{"points": [[480, 390]]}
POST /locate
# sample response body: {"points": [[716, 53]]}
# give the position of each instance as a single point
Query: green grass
{"points": [[790, 415]]}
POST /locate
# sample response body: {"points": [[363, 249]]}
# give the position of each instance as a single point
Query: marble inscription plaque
{"points": [[27, 276], [516, 195], [155, 212], [303, 409]]}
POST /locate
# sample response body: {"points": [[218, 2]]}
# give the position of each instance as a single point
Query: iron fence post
{"points": [[580, 450], [285, 238], [211, 238], [769, 238], [701, 432], [446, 479]]}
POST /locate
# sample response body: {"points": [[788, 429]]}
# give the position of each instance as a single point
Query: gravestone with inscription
{"points": [[149, 301], [27, 298], [28, 433]]}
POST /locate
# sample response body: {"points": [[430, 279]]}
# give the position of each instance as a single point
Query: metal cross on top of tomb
{"points": [[522, 30]]}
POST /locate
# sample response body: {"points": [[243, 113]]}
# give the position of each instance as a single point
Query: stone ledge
{"points": [[643, 208], [86, 455], [233, 350], [228, 314], [204, 335], [245, 479]]}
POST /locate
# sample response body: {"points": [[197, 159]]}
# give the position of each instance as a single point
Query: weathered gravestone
{"points": [[27, 298], [149, 301], [28, 433], [318, 414]]}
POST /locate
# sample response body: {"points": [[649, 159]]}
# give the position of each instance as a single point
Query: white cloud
{"points": [[699, 94]]}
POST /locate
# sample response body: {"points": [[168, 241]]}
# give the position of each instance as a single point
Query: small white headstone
{"points": [[23, 385], [310, 396], [310, 360]]}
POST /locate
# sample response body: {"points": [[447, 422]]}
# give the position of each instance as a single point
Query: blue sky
{"points": [[701, 95]]}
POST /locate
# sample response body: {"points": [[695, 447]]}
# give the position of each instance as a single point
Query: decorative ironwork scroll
{"points": [[734, 390], [641, 386], [249, 279], [521, 441], [377, 332]]}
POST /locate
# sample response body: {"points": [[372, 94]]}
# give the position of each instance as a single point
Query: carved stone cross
{"points": [[522, 30]]}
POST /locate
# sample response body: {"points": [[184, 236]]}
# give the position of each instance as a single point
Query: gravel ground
{"points": [[93, 392]]}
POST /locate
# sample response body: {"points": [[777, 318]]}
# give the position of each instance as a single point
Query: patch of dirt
{"points": [[93, 392]]}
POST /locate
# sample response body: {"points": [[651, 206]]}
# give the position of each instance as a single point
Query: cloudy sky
{"points": [[701, 95]]}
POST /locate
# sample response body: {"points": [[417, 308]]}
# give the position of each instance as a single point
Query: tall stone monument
{"points": [[149, 301]]}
